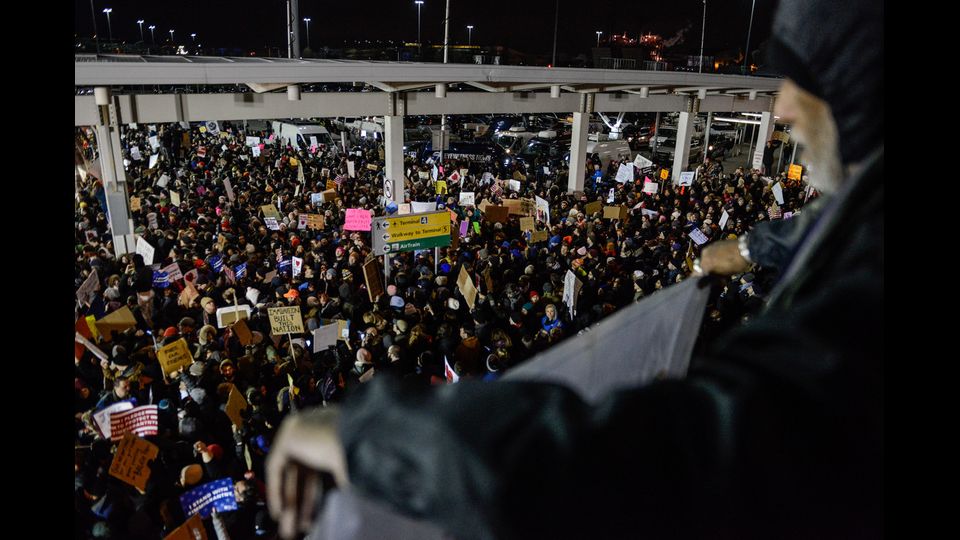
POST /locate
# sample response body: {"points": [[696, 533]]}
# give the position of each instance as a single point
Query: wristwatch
{"points": [[744, 250]]}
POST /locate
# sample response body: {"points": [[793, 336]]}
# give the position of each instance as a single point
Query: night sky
{"points": [[524, 25]]}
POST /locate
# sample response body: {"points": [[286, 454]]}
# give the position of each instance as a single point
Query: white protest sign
{"points": [[351, 170], [102, 417], [571, 288], [686, 178], [228, 187], [514, 185], [231, 314], [611, 195], [271, 223], [256, 151], [302, 221], [135, 153], [89, 288], [651, 188], [778, 192], [641, 162], [163, 181], [420, 207], [650, 213], [145, 250], [152, 220], [325, 336], [174, 198], [173, 272], [546, 170], [723, 220], [543, 210], [316, 199], [467, 198], [758, 157], [625, 173], [698, 237], [154, 143], [297, 266], [252, 141]]}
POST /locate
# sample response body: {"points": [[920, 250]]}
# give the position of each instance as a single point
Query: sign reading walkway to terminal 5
{"points": [[411, 231]]}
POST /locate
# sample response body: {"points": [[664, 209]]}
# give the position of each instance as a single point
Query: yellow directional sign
{"points": [[410, 231]]}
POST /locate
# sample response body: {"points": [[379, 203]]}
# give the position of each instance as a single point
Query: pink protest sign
{"points": [[358, 219]]}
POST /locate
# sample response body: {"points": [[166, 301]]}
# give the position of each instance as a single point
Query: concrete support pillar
{"points": [[114, 179], [578, 151], [393, 155], [706, 136], [681, 154], [763, 135]]}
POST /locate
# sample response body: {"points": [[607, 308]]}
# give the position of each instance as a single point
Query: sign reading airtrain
{"points": [[410, 231]]}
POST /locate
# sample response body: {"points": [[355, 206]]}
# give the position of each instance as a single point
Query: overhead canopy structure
{"points": [[393, 88]]}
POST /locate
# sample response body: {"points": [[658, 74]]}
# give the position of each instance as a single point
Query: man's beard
{"points": [[821, 152]]}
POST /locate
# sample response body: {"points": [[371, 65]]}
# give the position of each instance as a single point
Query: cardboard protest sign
{"points": [[142, 421], [228, 187], [231, 314], [615, 212], [315, 221], [188, 294], [538, 236], [145, 250], [372, 167], [625, 173], [129, 463], [218, 495], [192, 529], [269, 210], [325, 336], [469, 291], [269, 277], [467, 198], [88, 290], [593, 208], [119, 320], [513, 206], [371, 275], [357, 219], [285, 320], [331, 185], [102, 417], [134, 204], [795, 172], [328, 195], [236, 404], [242, 331], [174, 356], [498, 214], [527, 224]]}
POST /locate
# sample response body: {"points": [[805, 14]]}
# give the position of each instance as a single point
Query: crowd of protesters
{"points": [[421, 330]]}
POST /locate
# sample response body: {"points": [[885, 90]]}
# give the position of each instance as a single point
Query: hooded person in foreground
{"points": [[776, 433]]}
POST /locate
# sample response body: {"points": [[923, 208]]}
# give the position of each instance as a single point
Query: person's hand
{"points": [[723, 258], [104, 364], [306, 445]]}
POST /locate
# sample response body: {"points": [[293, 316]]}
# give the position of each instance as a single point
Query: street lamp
{"points": [[746, 53], [703, 34], [153, 38], [307, 20], [419, 4], [598, 38], [469, 34], [171, 37], [109, 28], [140, 24]]}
